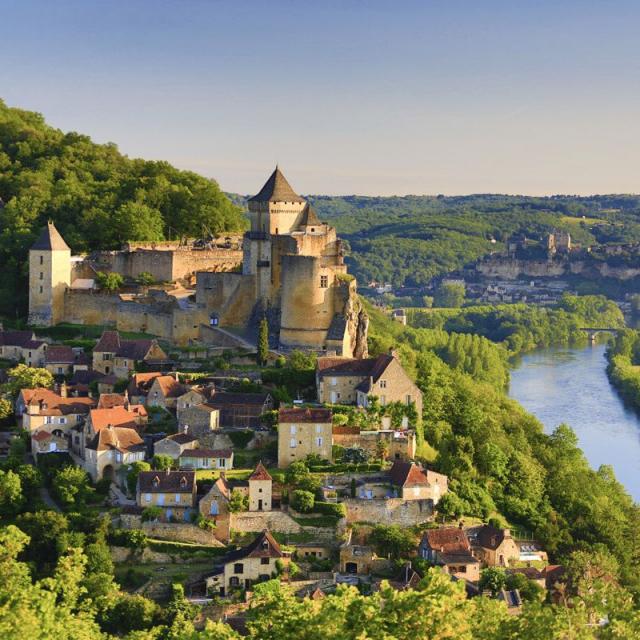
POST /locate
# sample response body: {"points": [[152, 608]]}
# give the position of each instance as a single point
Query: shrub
{"points": [[302, 501], [131, 538], [241, 439], [151, 513], [330, 509]]}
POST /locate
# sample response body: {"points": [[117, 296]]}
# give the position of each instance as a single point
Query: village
{"points": [[223, 458]]}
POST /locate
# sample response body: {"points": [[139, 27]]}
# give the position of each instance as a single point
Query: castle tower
{"points": [[273, 211], [49, 276]]}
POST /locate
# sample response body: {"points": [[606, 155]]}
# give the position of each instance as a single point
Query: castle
{"points": [[290, 270]]}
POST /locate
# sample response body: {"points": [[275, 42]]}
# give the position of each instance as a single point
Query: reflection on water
{"points": [[571, 386]]}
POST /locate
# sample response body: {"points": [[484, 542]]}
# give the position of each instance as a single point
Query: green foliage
{"points": [[162, 462], [152, 513], [97, 197], [129, 613], [449, 294], [6, 410], [336, 509], [263, 343], [109, 281], [132, 475], [131, 538], [392, 541], [302, 501], [238, 502], [241, 439], [492, 579], [24, 377], [71, 486], [296, 472], [145, 278], [355, 454], [11, 496]]}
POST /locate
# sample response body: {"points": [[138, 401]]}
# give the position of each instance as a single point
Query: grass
{"points": [[329, 522]]}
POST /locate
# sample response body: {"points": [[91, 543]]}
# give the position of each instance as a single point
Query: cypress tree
{"points": [[263, 342]]}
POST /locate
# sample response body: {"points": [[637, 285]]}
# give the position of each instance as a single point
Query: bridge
{"points": [[594, 331]]}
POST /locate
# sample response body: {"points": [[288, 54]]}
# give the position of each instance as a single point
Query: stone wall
{"points": [[394, 511], [257, 521], [178, 532]]}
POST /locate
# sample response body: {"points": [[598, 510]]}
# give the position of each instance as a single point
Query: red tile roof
{"points": [[260, 473], [407, 474], [111, 400], [450, 540], [39, 436], [117, 417], [305, 415], [120, 438], [169, 386], [51, 404]]}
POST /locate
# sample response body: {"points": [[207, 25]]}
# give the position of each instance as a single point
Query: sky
{"points": [[348, 97]]}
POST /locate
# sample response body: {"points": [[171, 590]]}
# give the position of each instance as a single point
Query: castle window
{"points": [[324, 282], [41, 276], [41, 289], [41, 259]]}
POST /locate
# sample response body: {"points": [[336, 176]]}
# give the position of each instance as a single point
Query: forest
{"points": [[97, 197]]}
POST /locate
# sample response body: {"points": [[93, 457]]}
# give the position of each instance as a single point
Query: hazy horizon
{"points": [[376, 98]]}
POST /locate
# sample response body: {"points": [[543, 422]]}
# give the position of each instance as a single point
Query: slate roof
{"points": [[304, 415], [120, 438], [50, 240], [238, 398], [487, 536], [111, 342], [260, 473], [166, 481], [365, 367], [206, 453], [407, 474], [180, 438], [60, 354], [22, 339], [264, 546], [276, 189], [337, 327]]}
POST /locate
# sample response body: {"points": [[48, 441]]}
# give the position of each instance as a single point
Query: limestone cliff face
{"points": [[357, 325]]}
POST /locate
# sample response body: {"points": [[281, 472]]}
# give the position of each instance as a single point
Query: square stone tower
{"points": [[49, 277]]}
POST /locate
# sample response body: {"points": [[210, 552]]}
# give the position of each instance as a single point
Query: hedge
{"points": [[241, 439], [330, 509]]}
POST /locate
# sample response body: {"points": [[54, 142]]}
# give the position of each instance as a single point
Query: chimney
{"points": [[185, 429], [63, 390], [393, 352]]}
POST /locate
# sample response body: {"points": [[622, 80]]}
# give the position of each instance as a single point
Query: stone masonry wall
{"points": [[393, 511], [179, 532]]}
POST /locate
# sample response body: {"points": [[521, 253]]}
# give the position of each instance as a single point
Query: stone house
{"points": [[214, 506], [412, 482], [110, 449], [206, 459], [133, 417], [43, 442], [242, 568], [493, 547], [117, 356], [59, 360], [357, 558], [45, 410], [174, 445], [241, 410], [164, 392], [260, 489], [449, 548], [174, 491], [352, 381], [22, 346], [400, 445], [139, 386], [302, 432], [199, 419], [190, 398]]}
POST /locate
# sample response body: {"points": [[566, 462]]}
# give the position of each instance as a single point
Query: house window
{"points": [[213, 510], [318, 428], [264, 560], [334, 382], [205, 462], [233, 581], [177, 497], [62, 421], [383, 384], [222, 463], [324, 282], [238, 567], [319, 442], [294, 429], [48, 420], [294, 443], [60, 370], [408, 400], [147, 497]]}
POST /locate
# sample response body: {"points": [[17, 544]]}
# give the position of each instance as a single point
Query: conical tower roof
{"points": [[50, 240], [276, 189], [309, 217]]}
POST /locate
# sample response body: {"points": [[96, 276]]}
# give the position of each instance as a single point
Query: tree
{"points": [[356, 455], [296, 473], [263, 343], [145, 278], [238, 502], [71, 486], [25, 377], [493, 579], [130, 613], [132, 474], [49, 537], [302, 501], [109, 282], [450, 295], [162, 462], [6, 410], [391, 540], [137, 221], [98, 558], [11, 497]]}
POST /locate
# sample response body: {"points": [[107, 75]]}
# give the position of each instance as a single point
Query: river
{"points": [[571, 386]]}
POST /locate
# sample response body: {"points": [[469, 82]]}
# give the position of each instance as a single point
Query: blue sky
{"points": [[349, 97]]}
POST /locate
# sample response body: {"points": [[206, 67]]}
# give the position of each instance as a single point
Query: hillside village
{"points": [[310, 465]]}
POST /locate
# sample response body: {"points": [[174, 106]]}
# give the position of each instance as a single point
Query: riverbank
{"points": [[564, 385], [623, 366]]}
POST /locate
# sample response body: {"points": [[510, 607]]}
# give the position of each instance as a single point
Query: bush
{"points": [[302, 501], [151, 513], [131, 538], [241, 439], [330, 509]]}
